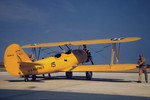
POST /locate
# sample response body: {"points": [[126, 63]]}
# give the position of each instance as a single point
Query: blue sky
{"points": [[44, 21]]}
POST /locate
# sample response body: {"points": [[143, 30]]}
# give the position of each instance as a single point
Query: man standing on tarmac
{"points": [[142, 68]]}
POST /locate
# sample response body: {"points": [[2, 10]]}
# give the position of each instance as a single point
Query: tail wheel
{"points": [[89, 75], [69, 75]]}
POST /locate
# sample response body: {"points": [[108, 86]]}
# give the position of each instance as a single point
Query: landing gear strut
{"points": [[69, 75], [49, 75]]}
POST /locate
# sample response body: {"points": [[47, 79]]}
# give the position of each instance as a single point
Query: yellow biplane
{"points": [[18, 63]]}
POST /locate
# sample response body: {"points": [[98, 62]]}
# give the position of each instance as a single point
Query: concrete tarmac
{"points": [[105, 86]]}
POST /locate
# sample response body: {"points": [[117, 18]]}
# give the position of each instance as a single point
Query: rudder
{"points": [[14, 54]]}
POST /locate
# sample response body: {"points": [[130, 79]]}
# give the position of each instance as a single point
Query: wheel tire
{"points": [[26, 78], [69, 75], [89, 75], [33, 77]]}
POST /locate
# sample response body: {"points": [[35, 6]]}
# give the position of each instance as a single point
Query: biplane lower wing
{"points": [[114, 67]]}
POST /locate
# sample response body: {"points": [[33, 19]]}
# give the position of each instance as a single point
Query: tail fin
{"points": [[13, 55]]}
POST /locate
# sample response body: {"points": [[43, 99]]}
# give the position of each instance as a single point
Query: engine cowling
{"points": [[81, 55]]}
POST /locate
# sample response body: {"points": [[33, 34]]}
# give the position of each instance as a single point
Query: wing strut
{"points": [[62, 49], [115, 53], [34, 53]]}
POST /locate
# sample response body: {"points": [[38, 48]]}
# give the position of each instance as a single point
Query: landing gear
{"points": [[43, 75], [69, 75], [89, 58], [26, 78], [49, 75], [89, 75], [33, 77]]}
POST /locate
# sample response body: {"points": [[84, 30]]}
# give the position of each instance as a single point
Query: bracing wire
{"points": [[98, 52]]}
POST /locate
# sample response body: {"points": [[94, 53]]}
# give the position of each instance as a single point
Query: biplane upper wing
{"points": [[83, 42], [107, 67]]}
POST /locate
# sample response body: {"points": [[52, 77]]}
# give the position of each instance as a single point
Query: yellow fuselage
{"points": [[60, 62]]}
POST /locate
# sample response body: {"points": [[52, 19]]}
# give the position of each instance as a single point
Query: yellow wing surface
{"points": [[82, 42], [114, 67]]}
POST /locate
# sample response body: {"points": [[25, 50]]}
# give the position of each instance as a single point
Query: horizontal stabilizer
{"points": [[114, 67], [83, 42], [24, 64]]}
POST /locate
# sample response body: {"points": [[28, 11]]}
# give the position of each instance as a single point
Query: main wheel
{"points": [[33, 77], [43, 75], [26, 78], [69, 75], [89, 75]]}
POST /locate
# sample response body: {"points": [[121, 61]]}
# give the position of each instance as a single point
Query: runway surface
{"points": [[105, 86]]}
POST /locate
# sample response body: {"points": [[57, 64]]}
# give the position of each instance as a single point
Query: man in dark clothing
{"points": [[142, 68]]}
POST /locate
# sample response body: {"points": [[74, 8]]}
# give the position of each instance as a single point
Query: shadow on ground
{"points": [[6, 94], [82, 78]]}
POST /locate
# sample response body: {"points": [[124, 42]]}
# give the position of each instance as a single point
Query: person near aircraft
{"points": [[142, 68], [31, 57]]}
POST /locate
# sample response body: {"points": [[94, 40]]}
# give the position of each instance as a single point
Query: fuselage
{"points": [[60, 62]]}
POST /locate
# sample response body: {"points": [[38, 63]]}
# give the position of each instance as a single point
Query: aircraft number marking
{"points": [[19, 52], [53, 64], [10, 55], [36, 69]]}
